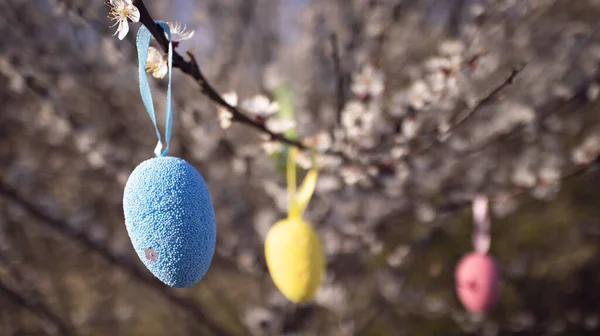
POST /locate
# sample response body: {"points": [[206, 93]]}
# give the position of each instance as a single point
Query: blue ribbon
{"points": [[143, 43]]}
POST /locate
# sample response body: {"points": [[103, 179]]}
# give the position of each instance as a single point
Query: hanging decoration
{"points": [[477, 274], [293, 250], [168, 210]]}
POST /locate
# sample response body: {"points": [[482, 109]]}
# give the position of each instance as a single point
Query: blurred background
{"points": [[405, 89]]}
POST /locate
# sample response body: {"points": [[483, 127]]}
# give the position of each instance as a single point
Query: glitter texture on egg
{"points": [[170, 220]]}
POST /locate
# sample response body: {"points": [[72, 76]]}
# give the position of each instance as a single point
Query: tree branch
{"points": [[189, 305], [471, 112], [337, 67], [37, 308], [489, 97], [192, 69]]}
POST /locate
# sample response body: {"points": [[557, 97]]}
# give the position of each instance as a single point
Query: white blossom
{"points": [[549, 174], [398, 255], [425, 213], [271, 147], [304, 160], [352, 175], [587, 151], [224, 115], [455, 63], [436, 81], [524, 177], [121, 11], [562, 91], [259, 320], [436, 63], [477, 10], [452, 89], [332, 296], [356, 120], [545, 191], [324, 141], [156, 63], [180, 32], [329, 161], [593, 91], [410, 128], [368, 82], [279, 125], [328, 182], [451, 48], [419, 95], [443, 130], [260, 106], [398, 152]]}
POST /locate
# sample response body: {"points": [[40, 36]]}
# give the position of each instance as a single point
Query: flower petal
{"points": [[231, 98], [280, 125], [156, 63], [123, 29], [134, 14], [224, 119], [186, 35], [180, 31], [160, 70]]}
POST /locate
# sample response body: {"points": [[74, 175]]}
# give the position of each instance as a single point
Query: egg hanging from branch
{"points": [[477, 282], [293, 250], [170, 220], [477, 274]]}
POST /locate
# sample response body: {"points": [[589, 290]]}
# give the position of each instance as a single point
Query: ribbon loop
{"points": [[299, 199], [481, 224], [143, 43]]}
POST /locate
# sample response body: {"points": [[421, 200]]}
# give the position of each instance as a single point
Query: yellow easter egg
{"points": [[295, 259]]}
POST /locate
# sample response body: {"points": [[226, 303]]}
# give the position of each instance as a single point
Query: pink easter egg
{"points": [[477, 282]]}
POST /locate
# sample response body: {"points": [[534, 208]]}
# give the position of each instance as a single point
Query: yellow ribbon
{"points": [[293, 249], [298, 201]]}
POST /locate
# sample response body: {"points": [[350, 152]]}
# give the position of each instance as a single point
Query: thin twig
{"points": [[192, 69], [553, 107], [456, 206], [37, 308], [189, 305], [575, 172], [337, 67], [491, 96]]}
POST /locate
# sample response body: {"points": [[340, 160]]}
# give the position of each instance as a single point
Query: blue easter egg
{"points": [[170, 220]]}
